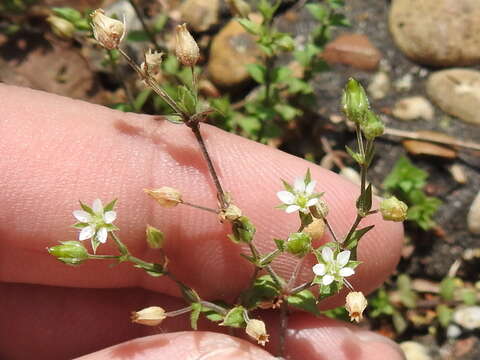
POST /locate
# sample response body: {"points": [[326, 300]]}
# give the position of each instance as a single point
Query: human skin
{"points": [[56, 151]]}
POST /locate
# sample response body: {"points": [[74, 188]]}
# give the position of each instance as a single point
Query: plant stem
{"points": [[154, 85], [283, 328], [217, 308], [145, 27], [301, 287], [178, 312], [195, 126], [102, 257], [200, 207]]}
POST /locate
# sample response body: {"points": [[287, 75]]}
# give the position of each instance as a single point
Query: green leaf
{"points": [[155, 237], [319, 12], [280, 244], [399, 322], [80, 225], [287, 112], [257, 72], [380, 304], [189, 294], [329, 290], [110, 205], [86, 208], [235, 318], [355, 155], [304, 300], [137, 36], [264, 289], [141, 99], [159, 22], [339, 20], [174, 119], [407, 296], [213, 315], [187, 100], [444, 315], [67, 13], [405, 176], [250, 26], [250, 124], [281, 74], [268, 9], [364, 202], [170, 65], [448, 286], [352, 243], [195, 314], [243, 230], [469, 296]]}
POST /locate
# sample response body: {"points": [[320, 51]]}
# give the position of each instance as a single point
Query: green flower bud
{"points": [[372, 126], [155, 238], [393, 209], [354, 101], [70, 252], [299, 244]]}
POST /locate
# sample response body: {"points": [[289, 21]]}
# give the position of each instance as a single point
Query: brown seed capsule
{"points": [[256, 329], [166, 196], [153, 60], [231, 213], [316, 229], [151, 316], [355, 305], [107, 31], [186, 49]]}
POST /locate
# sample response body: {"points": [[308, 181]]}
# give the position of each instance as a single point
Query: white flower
{"points": [[299, 197], [95, 222], [331, 269]]}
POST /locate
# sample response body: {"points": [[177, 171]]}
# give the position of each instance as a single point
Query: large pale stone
{"points": [[457, 92], [437, 32], [232, 49]]}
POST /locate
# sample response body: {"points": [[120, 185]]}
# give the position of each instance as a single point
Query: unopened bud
{"points": [[186, 49], [299, 244], [355, 305], [393, 209], [61, 27], [151, 316], [166, 196], [107, 31], [239, 8], [372, 126], [256, 330], [70, 252], [354, 101], [316, 229], [152, 62], [231, 213], [155, 238]]}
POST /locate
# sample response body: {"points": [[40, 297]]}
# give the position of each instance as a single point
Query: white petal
{"points": [[86, 233], [286, 197], [346, 271], [102, 234], [327, 254], [312, 202], [310, 187], [299, 185], [292, 208], [82, 216], [109, 217], [319, 269], [327, 279], [97, 206], [343, 257]]}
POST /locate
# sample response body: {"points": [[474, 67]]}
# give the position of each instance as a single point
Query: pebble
{"points": [[415, 351], [457, 92], [379, 85], [437, 33], [473, 217], [404, 83], [415, 147], [354, 50], [414, 107], [232, 49], [458, 174], [200, 15], [468, 317]]}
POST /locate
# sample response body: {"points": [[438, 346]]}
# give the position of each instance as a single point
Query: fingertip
{"points": [[198, 345]]}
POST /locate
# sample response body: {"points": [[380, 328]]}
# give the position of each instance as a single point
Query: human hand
{"points": [[56, 151]]}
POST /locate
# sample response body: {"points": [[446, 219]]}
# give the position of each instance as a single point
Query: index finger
{"points": [[61, 151]]}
